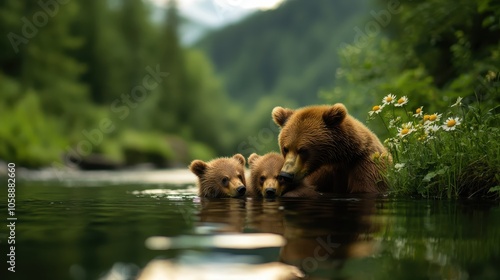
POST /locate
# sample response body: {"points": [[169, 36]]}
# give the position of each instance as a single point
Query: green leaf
{"points": [[429, 176]]}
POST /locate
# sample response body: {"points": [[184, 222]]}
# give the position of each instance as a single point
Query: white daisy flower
{"points": [[451, 124], [376, 109], [406, 129], [402, 101], [389, 99], [433, 118], [418, 112]]}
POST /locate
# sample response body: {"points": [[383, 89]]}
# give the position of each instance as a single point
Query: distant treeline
{"points": [[101, 81]]}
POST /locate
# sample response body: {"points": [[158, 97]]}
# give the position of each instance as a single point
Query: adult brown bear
{"points": [[324, 143]]}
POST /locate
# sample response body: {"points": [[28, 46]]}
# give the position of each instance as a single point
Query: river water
{"points": [[125, 225]]}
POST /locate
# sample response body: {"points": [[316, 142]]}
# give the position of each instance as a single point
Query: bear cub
{"points": [[264, 171], [221, 177], [266, 182]]}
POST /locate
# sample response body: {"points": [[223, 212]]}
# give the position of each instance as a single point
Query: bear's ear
{"points": [[281, 115], [198, 167], [252, 158], [335, 114], [240, 158]]}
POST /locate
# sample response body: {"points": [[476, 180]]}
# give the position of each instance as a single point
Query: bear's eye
{"points": [[302, 151], [280, 179], [225, 181], [285, 151], [262, 179]]}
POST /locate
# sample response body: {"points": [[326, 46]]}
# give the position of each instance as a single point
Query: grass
{"points": [[442, 155]]}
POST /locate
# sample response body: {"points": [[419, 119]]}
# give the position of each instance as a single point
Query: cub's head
{"points": [[264, 171], [310, 137], [222, 177]]}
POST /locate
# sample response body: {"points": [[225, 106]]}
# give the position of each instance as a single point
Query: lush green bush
{"points": [[29, 136], [449, 154]]}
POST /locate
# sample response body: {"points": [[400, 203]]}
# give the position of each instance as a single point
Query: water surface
{"points": [[95, 226]]}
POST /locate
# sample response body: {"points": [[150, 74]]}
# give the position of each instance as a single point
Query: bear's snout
{"points": [[241, 190], [270, 192]]}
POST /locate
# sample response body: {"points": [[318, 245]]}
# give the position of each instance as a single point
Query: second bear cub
{"points": [[221, 177], [264, 178], [264, 171]]}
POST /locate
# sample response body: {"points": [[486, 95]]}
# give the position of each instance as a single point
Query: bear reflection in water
{"points": [[316, 237], [320, 233], [222, 215]]}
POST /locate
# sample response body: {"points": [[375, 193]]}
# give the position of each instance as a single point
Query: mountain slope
{"points": [[289, 53]]}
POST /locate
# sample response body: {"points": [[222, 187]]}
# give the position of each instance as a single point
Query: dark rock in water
{"points": [[135, 157], [95, 162]]}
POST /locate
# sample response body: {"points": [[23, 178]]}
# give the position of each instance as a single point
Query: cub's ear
{"points": [[240, 158], [198, 167], [335, 114], [252, 158], [281, 115]]}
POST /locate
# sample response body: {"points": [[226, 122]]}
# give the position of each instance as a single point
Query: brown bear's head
{"points": [[222, 177], [264, 171], [311, 137]]}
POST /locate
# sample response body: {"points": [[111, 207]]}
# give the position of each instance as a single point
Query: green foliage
{"points": [[29, 137], [201, 151], [448, 154], [44, 103], [426, 52]]}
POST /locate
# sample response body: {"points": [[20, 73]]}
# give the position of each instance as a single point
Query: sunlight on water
{"points": [[170, 194], [230, 241]]}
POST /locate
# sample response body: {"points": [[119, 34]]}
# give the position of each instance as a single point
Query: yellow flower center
{"points": [[388, 99], [433, 117], [376, 108], [401, 100], [405, 131], [426, 117], [451, 123], [418, 111]]}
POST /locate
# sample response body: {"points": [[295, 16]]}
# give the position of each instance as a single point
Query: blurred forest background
{"points": [[85, 83]]}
